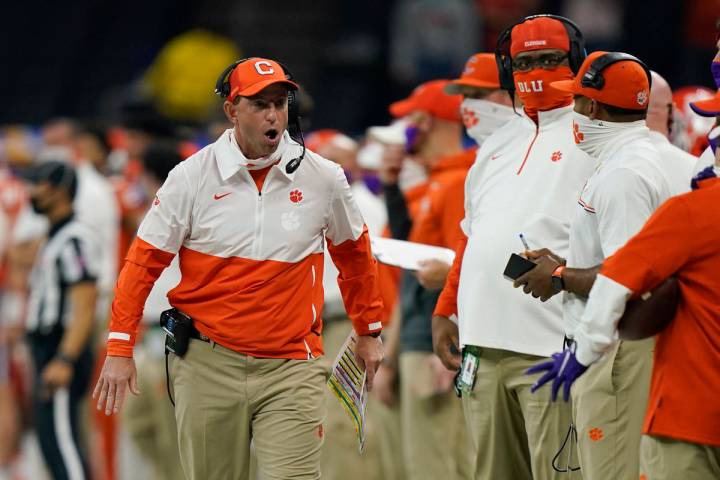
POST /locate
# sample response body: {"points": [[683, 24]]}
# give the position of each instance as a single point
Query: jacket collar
{"points": [[636, 131], [550, 118], [231, 160]]}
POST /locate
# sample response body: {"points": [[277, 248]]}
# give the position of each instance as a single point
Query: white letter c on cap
{"points": [[267, 71]]}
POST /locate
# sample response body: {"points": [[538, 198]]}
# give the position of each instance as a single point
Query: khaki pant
{"points": [[609, 402], [225, 399], [515, 433], [434, 438], [389, 429], [340, 457], [669, 459], [150, 419]]}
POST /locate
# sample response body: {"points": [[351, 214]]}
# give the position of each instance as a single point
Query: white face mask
{"points": [[591, 136], [262, 162], [483, 117]]}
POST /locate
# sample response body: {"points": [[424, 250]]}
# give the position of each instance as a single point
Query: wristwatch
{"points": [[557, 280], [65, 358]]}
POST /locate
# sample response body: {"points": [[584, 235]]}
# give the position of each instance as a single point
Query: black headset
{"points": [[593, 78], [576, 55], [222, 89]]}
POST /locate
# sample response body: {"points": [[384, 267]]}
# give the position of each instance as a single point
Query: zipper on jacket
{"points": [[257, 241], [258, 227], [527, 154]]}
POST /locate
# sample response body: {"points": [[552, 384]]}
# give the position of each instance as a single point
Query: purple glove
{"points": [[563, 368]]}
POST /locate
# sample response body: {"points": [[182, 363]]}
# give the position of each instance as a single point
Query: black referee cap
{"points": [[56, 173]]}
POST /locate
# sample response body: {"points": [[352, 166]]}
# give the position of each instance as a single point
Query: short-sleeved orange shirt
{"points": [[681, 239]]}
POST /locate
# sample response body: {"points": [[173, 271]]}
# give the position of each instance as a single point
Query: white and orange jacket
{"points": [[526, 179], [251, 260]]}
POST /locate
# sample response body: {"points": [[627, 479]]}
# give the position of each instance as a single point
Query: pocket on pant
{"points": [[632, 364]]}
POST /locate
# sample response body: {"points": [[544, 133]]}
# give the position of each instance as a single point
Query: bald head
{"points": [[342, 150], [659, 116]]}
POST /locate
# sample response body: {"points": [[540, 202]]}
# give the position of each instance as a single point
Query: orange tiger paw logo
{"points": [[596, 434], [579, 137], [469, 118], [296, 196], [556, 156]]}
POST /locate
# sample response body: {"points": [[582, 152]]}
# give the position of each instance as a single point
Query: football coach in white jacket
{"points": [[526, 179]]}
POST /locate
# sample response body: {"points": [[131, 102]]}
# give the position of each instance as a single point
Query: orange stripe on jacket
{"points": [[263, 308]]}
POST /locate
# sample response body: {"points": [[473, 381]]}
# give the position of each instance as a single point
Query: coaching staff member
{"points": [[249, 221]]}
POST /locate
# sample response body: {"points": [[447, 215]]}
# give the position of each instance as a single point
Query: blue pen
{"points": [[525, 244]]}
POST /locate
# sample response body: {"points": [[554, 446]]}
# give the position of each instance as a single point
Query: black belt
{"points": [[194, 333]]}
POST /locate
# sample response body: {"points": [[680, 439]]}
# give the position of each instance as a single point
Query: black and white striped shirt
{"points": [[70, 256]]}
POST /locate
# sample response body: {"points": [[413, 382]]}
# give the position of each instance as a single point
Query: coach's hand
{"points": [[369, 353], [118, 373], [445, 335]]}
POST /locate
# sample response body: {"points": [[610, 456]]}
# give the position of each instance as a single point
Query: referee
{"points": [[60, 318]]}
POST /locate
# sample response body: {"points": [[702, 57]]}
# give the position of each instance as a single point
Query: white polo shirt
{"points": [[525, 180], [626, 188]]}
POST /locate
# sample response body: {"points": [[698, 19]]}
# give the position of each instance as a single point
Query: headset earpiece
{"points": [[593, 77], [222, 85]]}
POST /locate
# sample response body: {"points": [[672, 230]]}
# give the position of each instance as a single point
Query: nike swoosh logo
{"points": [[218, 197]]}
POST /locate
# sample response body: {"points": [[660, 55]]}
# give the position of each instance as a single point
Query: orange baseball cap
{"points": [[539, 34], [710, 107], [255, 74], [626, 84], [480, 71], [430, 97]]}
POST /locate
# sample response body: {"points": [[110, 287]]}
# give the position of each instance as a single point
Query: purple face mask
{"points": [[372, 182], [411, 137], [715, 69], [714, 138]]}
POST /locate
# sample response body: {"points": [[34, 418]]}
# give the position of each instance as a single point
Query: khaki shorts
{"points": [[225, 399]]}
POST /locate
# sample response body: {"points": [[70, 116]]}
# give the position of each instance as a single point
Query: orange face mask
{"points": [[537, 95]]}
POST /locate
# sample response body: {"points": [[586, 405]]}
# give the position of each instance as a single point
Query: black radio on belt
{"points": [[178, 327]]}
